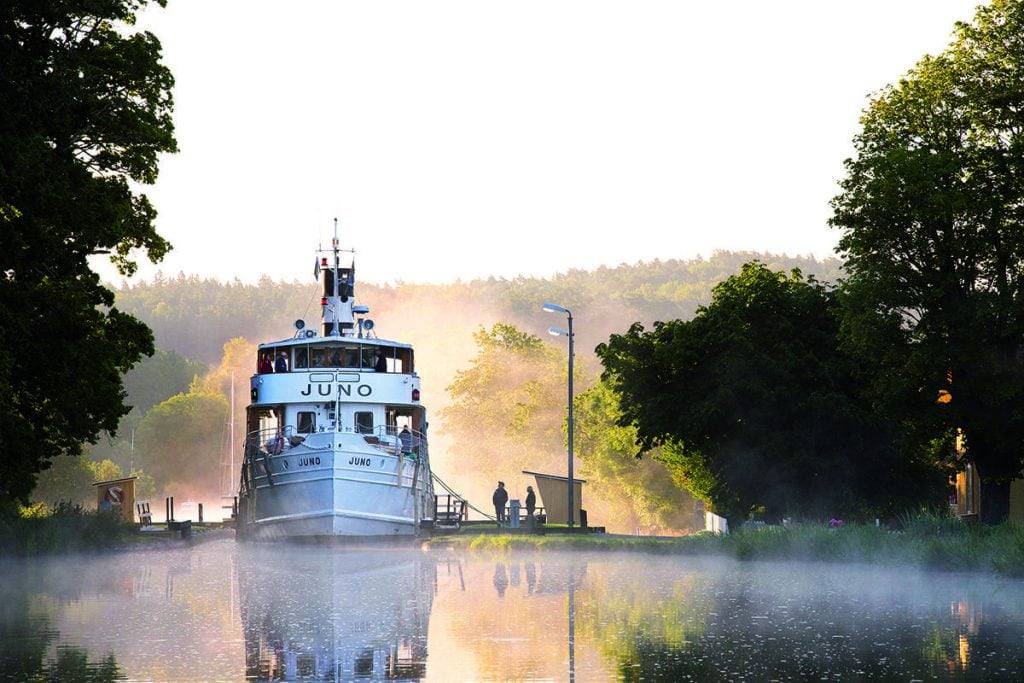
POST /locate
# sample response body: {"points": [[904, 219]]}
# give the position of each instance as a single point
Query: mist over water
{"points": [[221, 611]]}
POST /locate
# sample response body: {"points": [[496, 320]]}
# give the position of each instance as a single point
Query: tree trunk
{"points": [[995, 502]]}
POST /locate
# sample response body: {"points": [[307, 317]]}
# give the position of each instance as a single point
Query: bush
{"points": [[41, 529]]}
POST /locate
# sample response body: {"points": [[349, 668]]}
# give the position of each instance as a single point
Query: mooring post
{"points": [[200, 513], [167, 509]]}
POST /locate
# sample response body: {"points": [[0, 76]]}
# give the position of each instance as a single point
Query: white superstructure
{"points": [[336, 440]]}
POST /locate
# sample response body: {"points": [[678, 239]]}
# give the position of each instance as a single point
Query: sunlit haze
{"points": [[466, 139]]}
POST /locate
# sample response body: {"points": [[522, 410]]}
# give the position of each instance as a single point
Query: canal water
{"points": [[218, 611]]}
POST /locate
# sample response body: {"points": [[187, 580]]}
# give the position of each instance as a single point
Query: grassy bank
{"points": [[42, 530], [926, 541]]}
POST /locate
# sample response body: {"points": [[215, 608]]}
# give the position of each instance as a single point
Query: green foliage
{"points": [[641, 490], [159, 377], [504, 414], [179, 441], [64, 528], [196, 316], [931, 213], [753, 403], [86, 109], [70, 479], [955, 547]]}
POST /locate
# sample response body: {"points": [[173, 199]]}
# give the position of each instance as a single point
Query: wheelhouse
{"points": [[362, 355]]}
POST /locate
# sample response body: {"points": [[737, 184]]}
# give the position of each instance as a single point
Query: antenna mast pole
{"points": [[337, 264]]}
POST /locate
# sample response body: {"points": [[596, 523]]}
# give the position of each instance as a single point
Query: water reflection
{"points": [[223, 612], [766, 621], [30, 648], [330, 614]]}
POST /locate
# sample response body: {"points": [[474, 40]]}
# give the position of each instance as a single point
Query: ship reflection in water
{"points": [[326, 614], [219, 611]]}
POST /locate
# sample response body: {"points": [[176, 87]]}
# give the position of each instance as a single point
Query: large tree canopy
{"points": [[753, 403], [85, 108], [931, 213]]}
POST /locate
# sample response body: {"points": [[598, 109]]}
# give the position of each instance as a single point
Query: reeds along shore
{"points": [[926, 541]]}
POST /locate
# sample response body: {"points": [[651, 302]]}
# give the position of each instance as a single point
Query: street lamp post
{"points": [[557, 331]]}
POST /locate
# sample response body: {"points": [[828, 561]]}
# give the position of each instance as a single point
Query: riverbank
{"points": [[928, 542], [64, 528], [45, 530]]}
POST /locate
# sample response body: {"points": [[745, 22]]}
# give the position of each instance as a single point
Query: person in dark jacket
{"points": [[531, 501], [499, 499]]}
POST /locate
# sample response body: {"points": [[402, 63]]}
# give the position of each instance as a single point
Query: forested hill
{"points": [[195, 317]]}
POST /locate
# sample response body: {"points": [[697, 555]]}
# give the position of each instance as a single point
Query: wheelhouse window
{"points": [[395, 359]]}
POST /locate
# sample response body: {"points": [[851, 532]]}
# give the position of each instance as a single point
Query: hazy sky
{"points": [[475, 138]]}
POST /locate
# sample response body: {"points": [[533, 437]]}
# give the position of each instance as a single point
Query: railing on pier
{"points": [[449, 511]]}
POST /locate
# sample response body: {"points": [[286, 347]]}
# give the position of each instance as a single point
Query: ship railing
{"points": [[389, 439], [273, 441], [260, 446]]}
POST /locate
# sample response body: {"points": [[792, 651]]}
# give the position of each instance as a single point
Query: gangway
{"points": [[449, 511]]}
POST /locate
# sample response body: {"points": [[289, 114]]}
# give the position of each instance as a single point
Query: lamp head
{"points": [[554, 308], [558, 332]]}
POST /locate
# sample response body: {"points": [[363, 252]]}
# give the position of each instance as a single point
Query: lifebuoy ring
{"points": [[114, 495]]}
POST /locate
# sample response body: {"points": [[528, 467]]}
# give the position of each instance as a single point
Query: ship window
{"points": [[364, 422], [301, 358], [319, 358], [306, 422]]}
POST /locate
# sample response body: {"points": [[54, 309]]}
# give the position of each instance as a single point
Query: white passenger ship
{"points": [[336, 440]]}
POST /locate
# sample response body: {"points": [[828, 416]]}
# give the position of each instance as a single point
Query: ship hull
{"points": [[309, 493]]}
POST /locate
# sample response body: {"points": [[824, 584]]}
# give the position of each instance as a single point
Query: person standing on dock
{"points": [[499, 499], [531, 501]]}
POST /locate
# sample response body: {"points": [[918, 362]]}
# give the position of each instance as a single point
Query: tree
{"points": [[641, 491], [70, 479], [931, 214], [85, 109], [752, 404], [506, 410], [159, 377], [179, 443]]}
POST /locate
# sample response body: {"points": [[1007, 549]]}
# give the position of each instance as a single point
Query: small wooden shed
{"points": [[554, 497], [118, 495]]}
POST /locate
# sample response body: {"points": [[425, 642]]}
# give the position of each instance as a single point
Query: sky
{"points": [[456, 140]]}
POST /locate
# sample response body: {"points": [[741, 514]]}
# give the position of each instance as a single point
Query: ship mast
{"points": [[337, 265]]}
